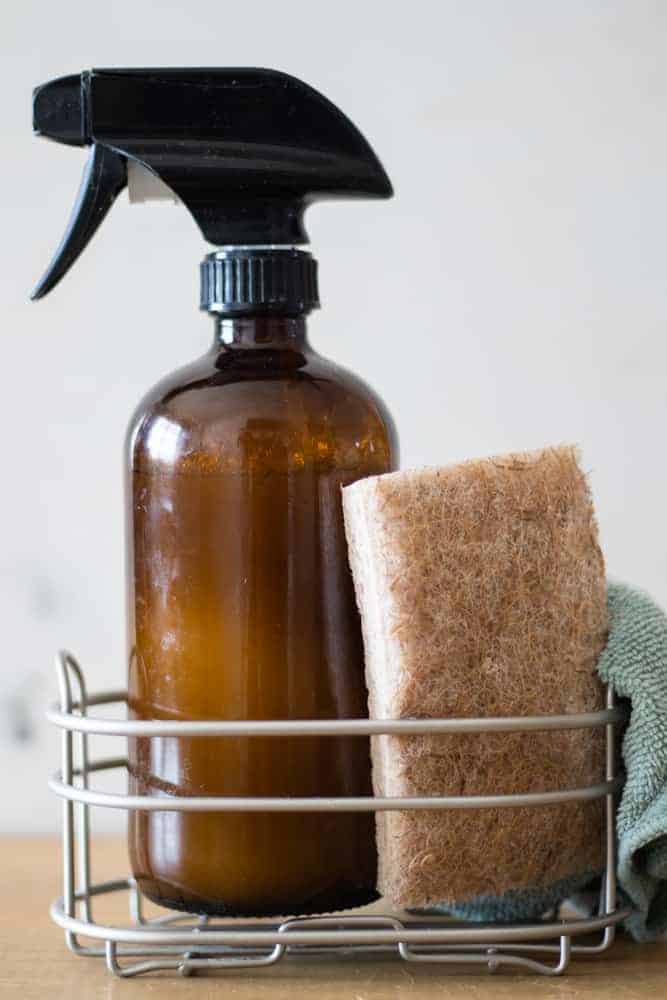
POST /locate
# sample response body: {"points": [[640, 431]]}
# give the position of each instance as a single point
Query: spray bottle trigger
{"points": [[104, 177]]}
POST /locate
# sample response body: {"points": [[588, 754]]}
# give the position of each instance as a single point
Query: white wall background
{"points": [[512, 295]]}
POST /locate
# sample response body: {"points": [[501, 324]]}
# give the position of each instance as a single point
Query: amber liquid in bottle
{"points": [[241, 606]]}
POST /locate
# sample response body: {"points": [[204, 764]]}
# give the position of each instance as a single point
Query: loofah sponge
{"points": [[481, 589]]}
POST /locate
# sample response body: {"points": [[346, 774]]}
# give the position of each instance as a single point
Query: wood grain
{"points": [[36, 965]]}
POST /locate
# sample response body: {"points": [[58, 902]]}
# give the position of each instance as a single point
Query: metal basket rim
{"points": [[72, 721]]}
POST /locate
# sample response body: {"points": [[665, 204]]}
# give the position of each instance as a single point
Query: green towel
{"points": [[634, 662]]}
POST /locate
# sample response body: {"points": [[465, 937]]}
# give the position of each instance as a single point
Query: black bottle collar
{"points": [[259, 280]]}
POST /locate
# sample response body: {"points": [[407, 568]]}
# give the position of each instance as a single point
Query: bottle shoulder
{"points": [[225, 402]]}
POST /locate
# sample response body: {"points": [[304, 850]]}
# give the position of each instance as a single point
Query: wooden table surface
{"points": [[34, 963]]}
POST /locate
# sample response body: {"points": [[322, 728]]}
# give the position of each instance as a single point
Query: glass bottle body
{"points": [[241, 606]]}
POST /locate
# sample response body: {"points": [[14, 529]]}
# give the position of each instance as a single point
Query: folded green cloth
{"points": [[634, 663]]}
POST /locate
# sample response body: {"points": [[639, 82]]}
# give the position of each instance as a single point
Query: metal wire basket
{"points": [[187, 944]]}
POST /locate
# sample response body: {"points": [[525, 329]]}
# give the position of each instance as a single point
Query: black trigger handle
{"points": [[104, 177]]}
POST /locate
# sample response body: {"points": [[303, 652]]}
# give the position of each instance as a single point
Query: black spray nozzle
{"points": [[58, 110], [246, 150]]}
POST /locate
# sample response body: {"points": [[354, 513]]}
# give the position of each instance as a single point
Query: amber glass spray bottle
{"points": [[239, 592]]}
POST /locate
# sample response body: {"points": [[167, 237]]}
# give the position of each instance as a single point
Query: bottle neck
{"points": [[286, 333]]}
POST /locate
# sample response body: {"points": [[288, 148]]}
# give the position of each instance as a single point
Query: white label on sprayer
{"points": [[143, 185]]}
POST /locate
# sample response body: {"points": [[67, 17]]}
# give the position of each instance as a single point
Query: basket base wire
{"points": [[203, 945]]}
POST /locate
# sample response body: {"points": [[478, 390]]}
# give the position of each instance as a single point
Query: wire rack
{"points": [[186, 944]]}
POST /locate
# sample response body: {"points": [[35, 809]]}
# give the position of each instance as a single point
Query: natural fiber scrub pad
{"points": [[481, 588]]}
